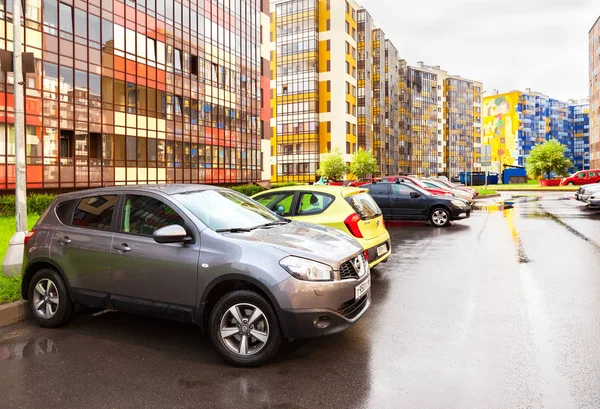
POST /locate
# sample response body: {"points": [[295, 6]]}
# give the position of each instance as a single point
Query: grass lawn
{"points": [[483, 191], [10, 287]]}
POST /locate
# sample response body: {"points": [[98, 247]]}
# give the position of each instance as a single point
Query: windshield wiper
{"points": [[277, 223], [235, 230]]}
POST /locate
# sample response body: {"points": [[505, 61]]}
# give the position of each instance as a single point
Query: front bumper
{"points": [[303, 302], [593, 203], [461, 213]]}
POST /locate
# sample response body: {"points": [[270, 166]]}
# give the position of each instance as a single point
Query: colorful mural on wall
{"points": [[501, 123]]}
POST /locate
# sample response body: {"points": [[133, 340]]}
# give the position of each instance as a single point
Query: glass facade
{"points": [[422, 96], [390, 148], [365, 86], [594, 49], [459, 127], [580, 130], [125, 92]]}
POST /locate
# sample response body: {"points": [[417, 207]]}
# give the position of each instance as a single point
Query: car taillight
{"points": [[351, 223], [28, 236], [367, 254]]}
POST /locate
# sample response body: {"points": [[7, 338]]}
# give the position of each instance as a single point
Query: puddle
{"points": [[28, 349], [522, 258]]}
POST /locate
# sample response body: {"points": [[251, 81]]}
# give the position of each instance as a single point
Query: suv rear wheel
{"points": [[49, 299], [244, 328]]}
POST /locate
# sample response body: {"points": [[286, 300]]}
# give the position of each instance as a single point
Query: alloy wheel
{"points": [[45, 298], [244, 329], [439, 217]]}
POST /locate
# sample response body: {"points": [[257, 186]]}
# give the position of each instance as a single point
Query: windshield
{"points": [[226, 209]]}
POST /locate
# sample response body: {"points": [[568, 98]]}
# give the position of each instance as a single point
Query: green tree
{"points": [[363, 163], [333, 166], [547, 158]]}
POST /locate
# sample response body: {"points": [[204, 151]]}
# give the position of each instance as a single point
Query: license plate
{"points": [[381, 250], [362, 288]]}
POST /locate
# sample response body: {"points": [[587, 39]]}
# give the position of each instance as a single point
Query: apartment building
{"points": [[515, 122], [443, 128], [594, 110], [314, 91], [128, 92]]}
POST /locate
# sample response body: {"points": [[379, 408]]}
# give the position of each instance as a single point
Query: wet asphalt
{"points": [[501, 310]]}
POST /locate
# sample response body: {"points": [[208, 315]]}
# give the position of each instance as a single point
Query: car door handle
{"points": [[396, 199], [64, 240], [122, 248]]}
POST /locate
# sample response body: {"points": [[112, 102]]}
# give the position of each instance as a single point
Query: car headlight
{"points": [[308, 270], [458, 203]]}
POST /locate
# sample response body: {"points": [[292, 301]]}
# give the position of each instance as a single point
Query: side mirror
{"points": [[415, 195], [171, 234], [280, 209]]}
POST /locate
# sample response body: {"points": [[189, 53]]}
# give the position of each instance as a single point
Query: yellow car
{"points": [[350, 209]]}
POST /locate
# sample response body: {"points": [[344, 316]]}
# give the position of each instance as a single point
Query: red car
{"points": [[416, 182], [584, 177], [362, 182], [454, 186]]}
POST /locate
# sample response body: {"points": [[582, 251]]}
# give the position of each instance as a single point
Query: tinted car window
{"points": [[401, 190], [313, 203], [275, 199], [144, 215], [379, 189], [364, 206], [63, 211], [95, 212]]}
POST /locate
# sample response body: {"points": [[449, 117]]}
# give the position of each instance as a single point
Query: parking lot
{"points": [[501, 310]]}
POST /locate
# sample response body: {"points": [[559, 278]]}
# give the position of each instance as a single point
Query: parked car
{"points": [[415, 181], [467, 196], [208, 255], [405, 201], [582, 178], [348, 209], [457, 186], [594, 201], [361, 182], [585, 191]]}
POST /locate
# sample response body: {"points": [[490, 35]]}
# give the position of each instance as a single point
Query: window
{"points": [[347, 48], [329, 146], [66, 143], [144, 215], [328, 106], [347, 127], [311, 203], [328, 126], [328, 86], [328, 45], [328, 24], [328, 65], [66, 21], [347, 67], [581, 175], [401, 190], [63, 211], [347, 107], [347, 28], [380, 189], [95, 212], [591, 174], [81, 18], [280, 202], [347, 147]]}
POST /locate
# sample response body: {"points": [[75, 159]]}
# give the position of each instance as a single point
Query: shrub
{"points": [[285, 184], [248, 190], [36, 203]]}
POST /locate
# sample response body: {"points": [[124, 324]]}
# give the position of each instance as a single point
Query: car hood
{"points": [[310, 241]]}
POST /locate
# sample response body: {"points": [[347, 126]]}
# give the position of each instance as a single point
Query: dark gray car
{"points": [[208, 255]]}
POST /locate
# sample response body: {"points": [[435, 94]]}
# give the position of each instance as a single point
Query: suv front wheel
{"points": [[244, 328], [49, 299]]}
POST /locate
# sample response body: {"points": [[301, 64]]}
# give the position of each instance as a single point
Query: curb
{"points": [[13, 312], [486, 196]]}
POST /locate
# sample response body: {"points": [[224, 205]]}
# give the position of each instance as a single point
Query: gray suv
{"points": [[248, 277]]}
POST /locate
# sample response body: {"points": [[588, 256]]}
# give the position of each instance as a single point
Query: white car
{"points": [[594, 201], [585, 191]]}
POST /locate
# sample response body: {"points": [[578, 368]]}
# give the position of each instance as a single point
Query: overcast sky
{"points": [[507, 44]]}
